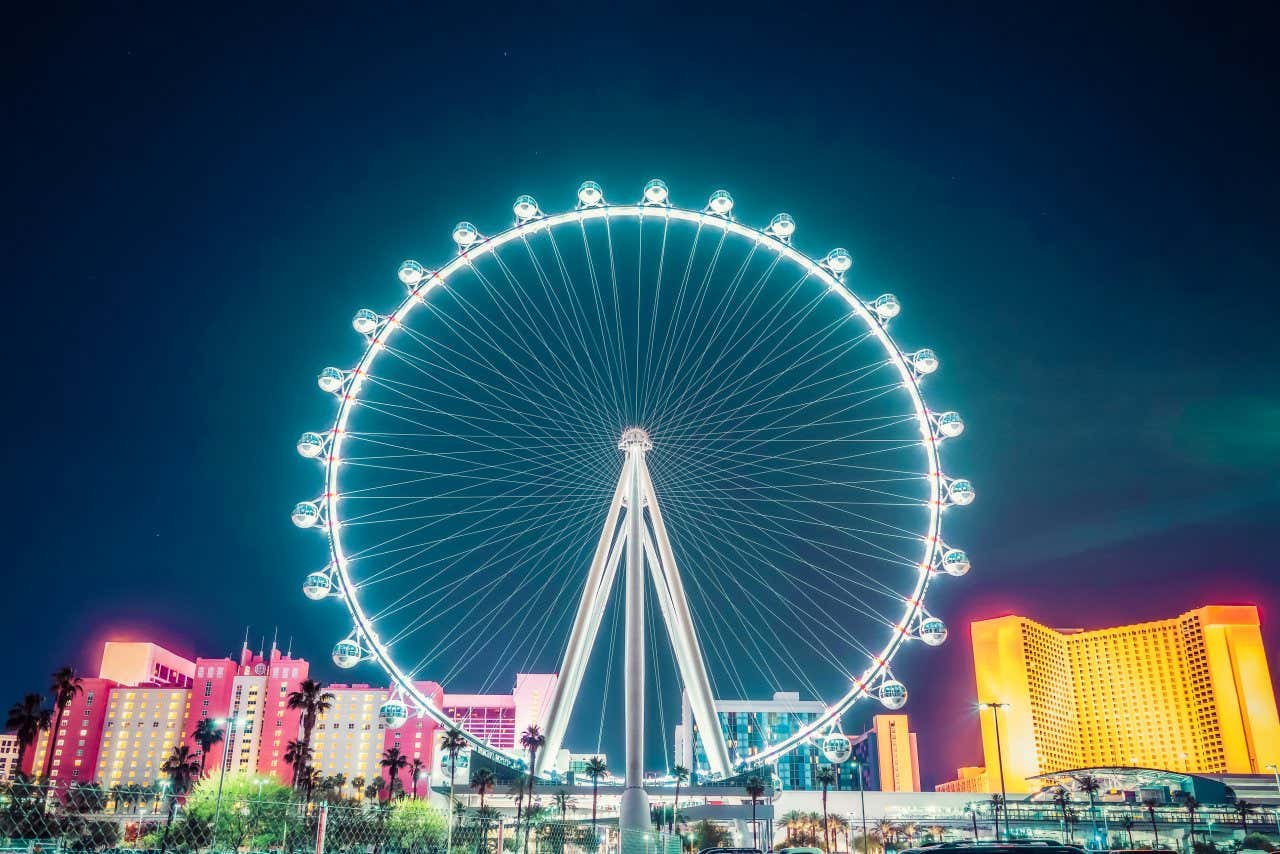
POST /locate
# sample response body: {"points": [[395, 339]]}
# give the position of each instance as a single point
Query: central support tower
{"points": [[641, 543], [633, 812]]}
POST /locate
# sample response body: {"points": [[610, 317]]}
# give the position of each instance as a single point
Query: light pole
{"points": [[862, 807], [230, 724], [1004, 798], [1275, 770]]}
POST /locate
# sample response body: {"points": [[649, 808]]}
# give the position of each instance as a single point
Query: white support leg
{"points": [[585, 626], [684, 640], [633, 810]]}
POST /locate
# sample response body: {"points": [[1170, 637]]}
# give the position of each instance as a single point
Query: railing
{"points": [[34, 821]]}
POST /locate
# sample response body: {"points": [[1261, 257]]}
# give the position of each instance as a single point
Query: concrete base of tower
{"points": [[633, 812]]}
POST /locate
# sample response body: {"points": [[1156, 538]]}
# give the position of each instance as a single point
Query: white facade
{"points": [[142, 727], [348, 738], [248, 700], [8, 755]]}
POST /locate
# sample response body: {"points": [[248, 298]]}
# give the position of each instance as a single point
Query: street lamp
{"points": [[230, 724], [1004, 798], [862, 801]]}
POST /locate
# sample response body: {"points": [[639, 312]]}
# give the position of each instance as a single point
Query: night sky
{"points": [[1078, 213]]}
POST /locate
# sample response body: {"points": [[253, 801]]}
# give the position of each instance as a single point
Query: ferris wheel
{"points": [[596, 421]]}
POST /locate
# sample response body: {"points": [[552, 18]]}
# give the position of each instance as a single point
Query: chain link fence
{"points": [[34, 822]]}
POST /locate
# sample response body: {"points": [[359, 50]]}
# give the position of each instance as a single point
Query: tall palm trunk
{"points": [[453, 769], [826, 828], [48, 754], [533, 763], [674, 808], [595, 793]]}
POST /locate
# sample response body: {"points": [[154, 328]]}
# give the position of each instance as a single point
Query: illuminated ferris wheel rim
{"points": [[363, 643]]}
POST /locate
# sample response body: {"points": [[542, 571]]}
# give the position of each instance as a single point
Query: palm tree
{"points": [[886, 832], [755, 791], [790, 822], [596, 768], [1061, 799], [339, 783], [825, 778], [997, 804], [415, 772], [517, 792], [681, 774], [1190, 804], [1071, 818], [1127, 824], [487, 816], [482, 783], [394, 762], [910, 830], [27, 718], [971, 809], [298, 755], [1090, 785], [451, 742], [206, 735], [1244, 809], [181, 769], [313, 701], [1150, 804], [65, 686], [562, 802], [357, 785], [531, 740], [312, 780]]}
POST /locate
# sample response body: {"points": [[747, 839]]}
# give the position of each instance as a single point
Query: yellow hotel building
{"points": [[1191, 694]]}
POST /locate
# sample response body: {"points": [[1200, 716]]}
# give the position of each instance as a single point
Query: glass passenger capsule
{"points": [[393, 714], [317, 585], [839, 261], [310, 445], [892, 694], [961, 492], [465, 234], [525, 208], [720, 203], [886, 306], [590, 194], [411, 272], [955, 562], [950, 424], [347, 653], [366, 321], [925, 361], [330, 379], [305, 514], [933, 631], [782, 226], [655, 192]]}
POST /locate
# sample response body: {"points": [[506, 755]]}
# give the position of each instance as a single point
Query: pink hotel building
{"points": [[146, 700]]}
